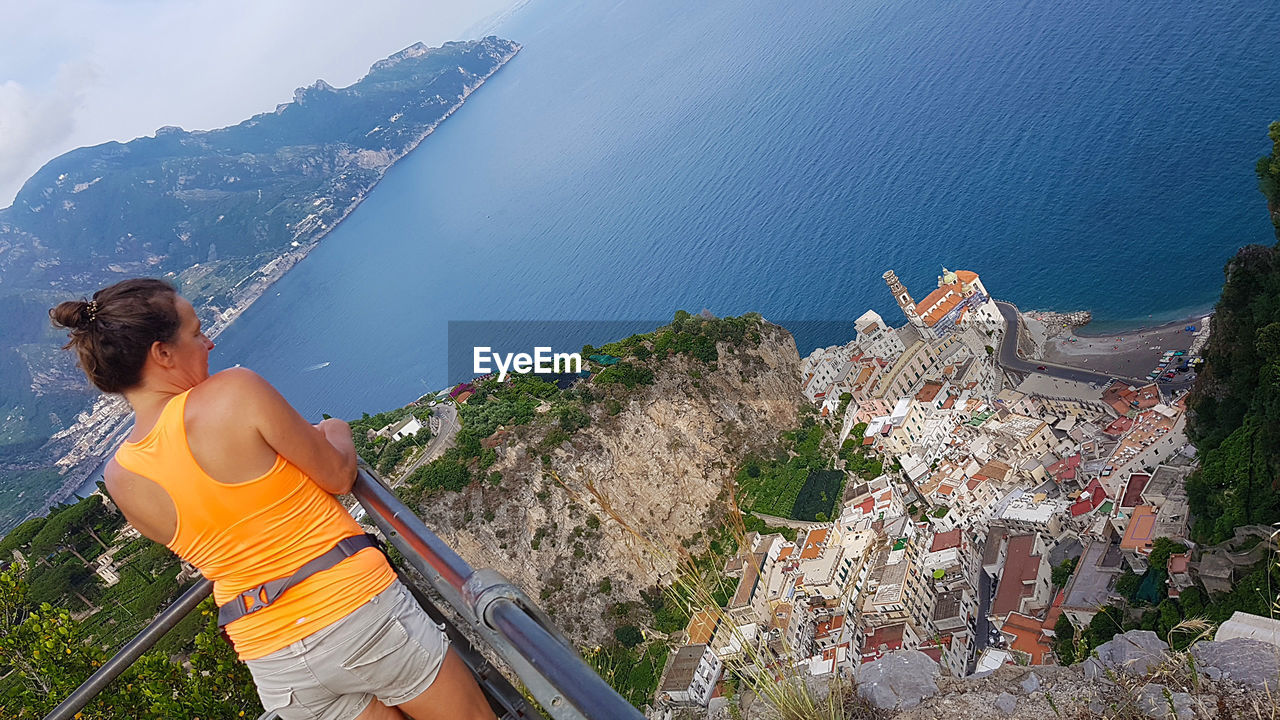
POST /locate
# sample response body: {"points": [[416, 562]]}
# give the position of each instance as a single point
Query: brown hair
{"points": [[113, 333]]}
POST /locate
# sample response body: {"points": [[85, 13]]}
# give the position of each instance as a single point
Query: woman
{"points": [[224, 472]]}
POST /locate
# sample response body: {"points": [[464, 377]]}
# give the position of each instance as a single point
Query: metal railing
{"points": [[491, 607]]}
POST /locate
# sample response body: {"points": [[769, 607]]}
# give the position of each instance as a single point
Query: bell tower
{"points": [[903, 297]]}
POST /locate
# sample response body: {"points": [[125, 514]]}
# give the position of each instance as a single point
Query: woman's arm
{"points": [[325, 452]]}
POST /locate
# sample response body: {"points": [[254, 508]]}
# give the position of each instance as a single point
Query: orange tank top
{"points": [[242, 535]]}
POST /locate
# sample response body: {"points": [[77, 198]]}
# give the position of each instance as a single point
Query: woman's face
{"points": [[190, 348]]}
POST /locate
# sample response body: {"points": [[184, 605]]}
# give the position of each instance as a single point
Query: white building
{"points": [[876, 338], [692, 676]]}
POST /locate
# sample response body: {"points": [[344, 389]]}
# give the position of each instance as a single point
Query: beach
{"points": [[1128, 354]]}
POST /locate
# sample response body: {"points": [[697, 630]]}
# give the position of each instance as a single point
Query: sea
{"points": [[644, 156]]}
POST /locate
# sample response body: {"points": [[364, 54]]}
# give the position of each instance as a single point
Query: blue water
{"points": [[642, 156]]}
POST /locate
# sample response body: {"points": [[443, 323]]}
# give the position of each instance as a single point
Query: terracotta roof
{"points": [[1122, 399], [1051, 619], [1137, 535], [889, 636], [829, 626], [1178, 563], [929, 391], [994, 469], [1133, 491], [1020, 566], [1065, 469], [941, 301], [945, 540], [1027, 637], [1089, 501], [811, 548], [1119, 426], [781, 616], [702, 626]]}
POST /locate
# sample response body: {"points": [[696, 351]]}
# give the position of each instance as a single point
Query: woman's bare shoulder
{"points": [[233, 386], [235, 377]]}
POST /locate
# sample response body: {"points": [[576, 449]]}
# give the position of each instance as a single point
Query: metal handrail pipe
{"points": [[130, 653], [376, 498], [578, 684]]}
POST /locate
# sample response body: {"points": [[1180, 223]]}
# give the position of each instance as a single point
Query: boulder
{"points": [[1006, 703], [1155, 701], [899, 680], [1134, 652], [1029, 683], [1254, 663]]}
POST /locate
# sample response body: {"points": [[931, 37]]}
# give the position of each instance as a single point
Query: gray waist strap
{"points": [[254, 599]]}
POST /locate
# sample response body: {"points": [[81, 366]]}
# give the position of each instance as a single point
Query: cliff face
{"points": [[661, 465]]}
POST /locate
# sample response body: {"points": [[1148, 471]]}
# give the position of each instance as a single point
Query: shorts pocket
{"points": [[275, 698], [393, 664], [386, 640]]}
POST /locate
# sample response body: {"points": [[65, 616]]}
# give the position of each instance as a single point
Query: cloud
{"points": [[32, 121], [127, 67]]}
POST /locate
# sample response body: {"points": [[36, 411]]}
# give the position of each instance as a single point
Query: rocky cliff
{"points": [[660, 467]]}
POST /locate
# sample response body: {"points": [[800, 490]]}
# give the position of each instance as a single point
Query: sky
{"points": [[75, 73]]}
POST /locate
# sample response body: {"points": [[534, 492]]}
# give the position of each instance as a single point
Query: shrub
{"points": [[629, 635]]}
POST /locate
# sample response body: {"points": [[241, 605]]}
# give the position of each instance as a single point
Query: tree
{"points": [[1062, 573], [1128, 584], [51, 654], [1106, 623], [1169, 617], [845, 399], [61, 530], [1160, 552], [1064, 643], [629, 635]]}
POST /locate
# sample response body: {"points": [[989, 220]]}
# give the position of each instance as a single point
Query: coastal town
{"points": [[996, 472]]}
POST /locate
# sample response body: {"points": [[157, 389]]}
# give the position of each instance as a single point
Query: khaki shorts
{"points": [[386, 649]]}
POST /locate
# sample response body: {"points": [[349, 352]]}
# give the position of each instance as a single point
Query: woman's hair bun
{"points": [[73, 314]]}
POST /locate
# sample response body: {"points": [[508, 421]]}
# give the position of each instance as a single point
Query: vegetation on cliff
{"points": [[547, 411], [1235, 405], [59, 621], [1268, 169]]}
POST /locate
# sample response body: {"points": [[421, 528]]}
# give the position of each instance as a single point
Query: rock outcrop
{"points": [[900, 679], [1135, 677], [1254, 663], [1134, 652], [654, 475]]}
